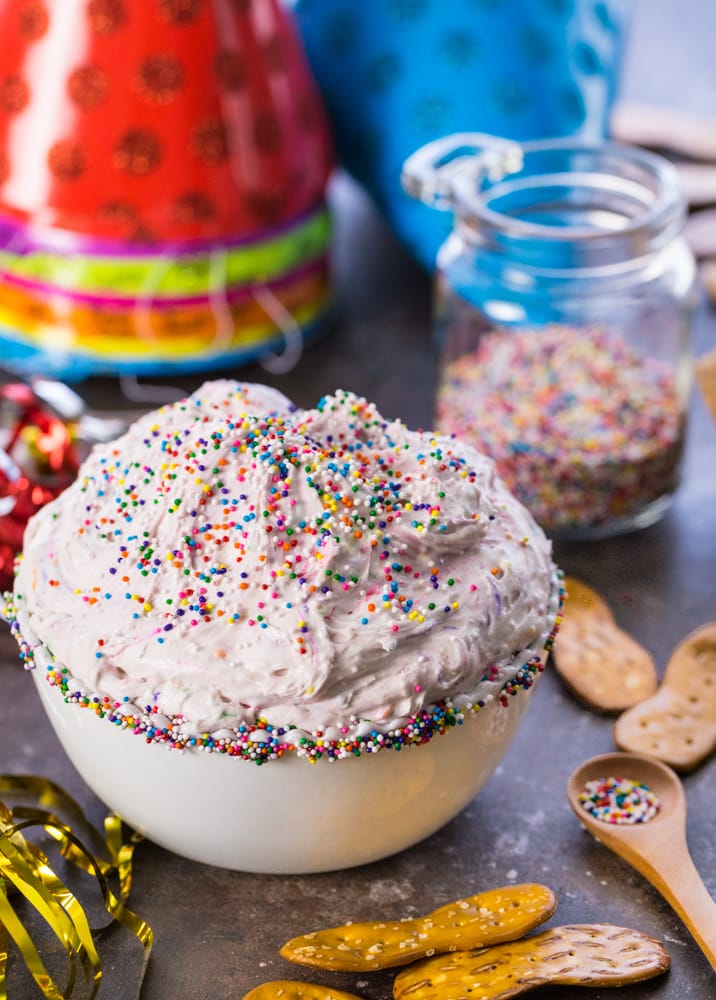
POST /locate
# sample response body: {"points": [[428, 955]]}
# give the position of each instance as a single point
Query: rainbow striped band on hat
{"points": [[75, 306]]}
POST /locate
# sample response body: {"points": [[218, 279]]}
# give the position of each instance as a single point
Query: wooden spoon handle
{"points": [[681, 885]]}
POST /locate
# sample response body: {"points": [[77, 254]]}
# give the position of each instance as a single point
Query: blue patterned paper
{"points": [[396, 74]]}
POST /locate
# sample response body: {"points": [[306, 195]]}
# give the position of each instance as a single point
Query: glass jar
{"points": [[563, 305]]}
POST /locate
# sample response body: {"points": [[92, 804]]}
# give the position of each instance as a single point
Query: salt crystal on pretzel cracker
{"points": [[289, 989], [487, 918], [579, 955]]}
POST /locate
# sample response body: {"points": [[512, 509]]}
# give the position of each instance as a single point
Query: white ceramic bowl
{"points": [[287, 816]]}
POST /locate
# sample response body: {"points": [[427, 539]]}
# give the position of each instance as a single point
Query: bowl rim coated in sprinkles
{"points": [[263, 740]]}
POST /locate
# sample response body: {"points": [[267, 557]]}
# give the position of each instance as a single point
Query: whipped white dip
{"points": [[233, 558]]}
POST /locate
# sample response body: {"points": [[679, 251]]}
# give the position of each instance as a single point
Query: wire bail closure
{"points": [[433, 171]]}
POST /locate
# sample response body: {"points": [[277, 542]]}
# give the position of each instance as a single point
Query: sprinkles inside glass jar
{"points": [[619, 801]]}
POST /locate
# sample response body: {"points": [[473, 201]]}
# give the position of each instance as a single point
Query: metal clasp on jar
{"points": [[434, 172]]}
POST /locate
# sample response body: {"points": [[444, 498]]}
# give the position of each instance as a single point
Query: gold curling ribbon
{"points": [[24, 868]]}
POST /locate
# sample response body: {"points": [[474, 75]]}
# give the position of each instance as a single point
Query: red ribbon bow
{"points": [[34, 467]]}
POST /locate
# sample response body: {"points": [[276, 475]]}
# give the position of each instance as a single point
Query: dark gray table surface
{"points": [[218, 932]]}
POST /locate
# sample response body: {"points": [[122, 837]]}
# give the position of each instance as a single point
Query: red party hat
{"points": [[156, 120], [162, 171]]}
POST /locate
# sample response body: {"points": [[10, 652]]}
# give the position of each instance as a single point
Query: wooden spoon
{"points": [[656, 848]]}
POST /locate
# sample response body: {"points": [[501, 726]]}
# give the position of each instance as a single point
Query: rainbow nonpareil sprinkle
{"points": [[582, 429], [619, 801], [263, 741]]}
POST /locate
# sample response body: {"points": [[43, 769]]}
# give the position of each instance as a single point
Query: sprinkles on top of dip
{"points": [[619, 801], [239, 574]]}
